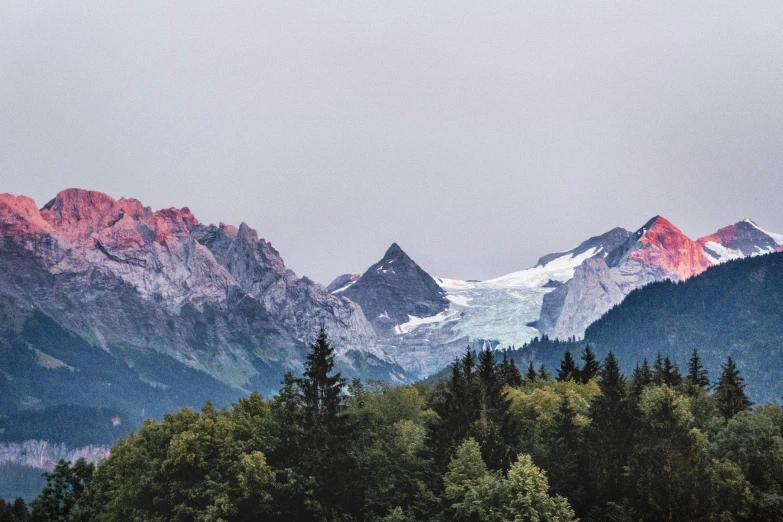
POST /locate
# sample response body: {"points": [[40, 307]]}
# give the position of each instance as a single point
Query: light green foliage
{"points": [[544, 396], [466, 470], [482, 496]]}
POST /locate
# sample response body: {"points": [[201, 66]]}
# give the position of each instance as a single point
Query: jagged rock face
{"points": [[395, 289], [742, 239], [128, 279], [656, 251], [300, 305]]}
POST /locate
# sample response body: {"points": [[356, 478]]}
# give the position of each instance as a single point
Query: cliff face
{"points": [[44, 455], [657, 251]]}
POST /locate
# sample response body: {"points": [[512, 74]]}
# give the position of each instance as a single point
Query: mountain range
{"points": [[120, 312], [107, 303], [559, 297]]}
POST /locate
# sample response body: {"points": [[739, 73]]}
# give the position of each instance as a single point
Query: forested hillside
{"points": [[487, 443]]}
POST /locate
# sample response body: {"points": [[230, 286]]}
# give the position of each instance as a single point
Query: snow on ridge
{"points": [[414, 322], [723, 254], [560, 269], [777, 238], [344, 288]]}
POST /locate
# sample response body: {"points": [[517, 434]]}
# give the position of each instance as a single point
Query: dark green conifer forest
{"points": [[485, 443]]}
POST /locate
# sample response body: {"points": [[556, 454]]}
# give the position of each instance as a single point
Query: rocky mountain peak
{"points": [[395, 289], [659, 245], [742, 239], [19, 216]]}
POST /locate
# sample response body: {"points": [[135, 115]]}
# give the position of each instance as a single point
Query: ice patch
{"points": [[459, 300], [723, 254], [414, 322]]}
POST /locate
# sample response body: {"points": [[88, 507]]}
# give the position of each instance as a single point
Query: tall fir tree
{"points": [[608, 433], [488, 375], [568, 369], [513, 378], [642, 376], [590, 365], [325, 428], [531, 374], [697, 375], [671, 373], [730, 391], [567, 460], [657, 370], [468, 365]]}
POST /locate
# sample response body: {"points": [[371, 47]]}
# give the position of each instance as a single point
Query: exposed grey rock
{"points": [[395, 288]]}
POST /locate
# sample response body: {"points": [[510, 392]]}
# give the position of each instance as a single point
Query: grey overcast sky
{"points": [[477, 135]]}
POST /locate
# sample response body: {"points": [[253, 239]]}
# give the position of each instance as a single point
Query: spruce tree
{"points": [[568, 369], [641, 377], [671, 373], [730, 391], [697, 375], [468, 365], [322, 394], [325, 429], [504, 368], [531, 373], [608, 432], [590, 365], [657, 370], [514, 378], [542, 373], [566, 462]]}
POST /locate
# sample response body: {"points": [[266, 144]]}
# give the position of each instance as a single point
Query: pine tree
{"points": [[487, 369], [514, 378], [568, 369], [504, 368], [641, 377], [325, 428], [567, 463], [730, 391], [697, 375], [468, 365], [608, 433], [542, 373], [671, 373], [657, 371], [531, 373], [590, 365], [322, 394]]}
